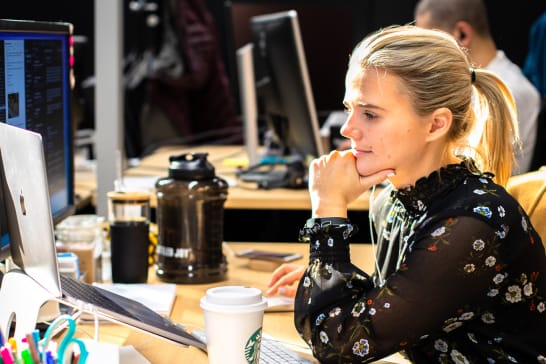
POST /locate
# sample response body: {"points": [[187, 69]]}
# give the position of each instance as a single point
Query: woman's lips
{"points": [[357, 152]]}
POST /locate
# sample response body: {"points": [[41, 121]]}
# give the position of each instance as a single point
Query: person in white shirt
{"points": [[467, 21]]}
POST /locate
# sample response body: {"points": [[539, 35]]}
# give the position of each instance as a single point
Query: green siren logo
{"points": [[252, 347]]}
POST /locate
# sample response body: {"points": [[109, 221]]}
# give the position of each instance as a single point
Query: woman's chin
{"points": [[367, 170]]}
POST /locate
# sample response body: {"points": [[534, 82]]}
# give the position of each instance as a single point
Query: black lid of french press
{"points": [[190, 166]]}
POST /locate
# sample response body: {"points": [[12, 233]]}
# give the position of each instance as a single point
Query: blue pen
{"points": [[49, 357], [2, 338]]}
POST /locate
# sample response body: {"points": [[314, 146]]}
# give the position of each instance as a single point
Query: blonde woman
{"points": [[461, 272]]}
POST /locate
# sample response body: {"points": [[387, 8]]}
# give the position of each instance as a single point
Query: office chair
{"points": [[530, 191], [539, 153]]}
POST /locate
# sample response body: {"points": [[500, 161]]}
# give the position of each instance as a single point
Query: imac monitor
{"points": [[283, 91], [35, 67]]}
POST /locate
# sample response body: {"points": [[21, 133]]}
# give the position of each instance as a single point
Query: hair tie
{"points": [[473, 75]]}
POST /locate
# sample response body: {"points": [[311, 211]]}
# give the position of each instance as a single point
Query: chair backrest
{"points": [[539, 153], [530, 191]]}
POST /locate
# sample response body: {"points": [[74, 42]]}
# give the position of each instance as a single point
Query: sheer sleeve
{"points": [[345, 318]]}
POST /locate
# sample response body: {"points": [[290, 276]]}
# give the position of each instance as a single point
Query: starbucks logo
{"points": [[252, 347]]}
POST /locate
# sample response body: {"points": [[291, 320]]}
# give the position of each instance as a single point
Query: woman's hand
{"points": [[334, 182], [283, 279]]}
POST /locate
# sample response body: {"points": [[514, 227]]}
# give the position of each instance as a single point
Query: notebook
{"points": [[32, 243]]}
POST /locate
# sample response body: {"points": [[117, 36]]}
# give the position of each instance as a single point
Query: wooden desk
{"points": [[224, 159], [85, 188], [186, 310]]}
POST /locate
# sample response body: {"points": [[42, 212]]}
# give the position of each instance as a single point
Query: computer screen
{"points": [[283, 90], [35, 76]]}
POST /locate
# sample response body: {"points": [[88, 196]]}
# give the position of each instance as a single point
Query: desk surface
{"points": [[186, 310], [224, 159]]}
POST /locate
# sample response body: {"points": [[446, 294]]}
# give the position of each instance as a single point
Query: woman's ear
{"points": [[440, 124]]}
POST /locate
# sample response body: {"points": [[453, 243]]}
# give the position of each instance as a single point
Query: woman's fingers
{"points": [[283, 278]]}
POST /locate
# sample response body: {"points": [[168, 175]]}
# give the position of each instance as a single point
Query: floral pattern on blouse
{"points": [[461, 278]]}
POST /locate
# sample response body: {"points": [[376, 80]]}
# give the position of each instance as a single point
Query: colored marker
{"points": [[36, 337], [49, 357], [7, 355], [33, 347], [26, 356], [13, 344]]}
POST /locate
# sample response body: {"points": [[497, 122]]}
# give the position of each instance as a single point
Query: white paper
{"points": [[106, 353], [158, 297], [101, 353]]}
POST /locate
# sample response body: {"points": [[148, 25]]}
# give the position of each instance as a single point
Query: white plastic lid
{"points": [[236, 299]]}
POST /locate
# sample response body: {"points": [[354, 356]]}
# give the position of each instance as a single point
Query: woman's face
{"points": [[384, 130]]}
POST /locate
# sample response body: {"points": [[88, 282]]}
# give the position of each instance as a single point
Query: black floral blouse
{"points": [[460, 278]]}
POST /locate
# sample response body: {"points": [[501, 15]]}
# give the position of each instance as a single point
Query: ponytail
{"points": [[495, 106]]}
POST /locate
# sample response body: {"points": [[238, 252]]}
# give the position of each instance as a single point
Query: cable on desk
{"points": [[95, 327]]}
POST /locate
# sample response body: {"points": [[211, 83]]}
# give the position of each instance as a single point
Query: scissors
{"points": [[64, 352]]}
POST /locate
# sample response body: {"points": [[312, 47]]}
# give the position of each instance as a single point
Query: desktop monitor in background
{"points": [[283, 97], [249, 112], [35, 67], [276, 91], [35, 74]]}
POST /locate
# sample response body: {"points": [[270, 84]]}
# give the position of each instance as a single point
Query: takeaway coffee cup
{"points": [[233, 324]]}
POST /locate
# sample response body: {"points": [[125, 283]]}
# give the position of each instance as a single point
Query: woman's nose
{"points": [[348, 129]]}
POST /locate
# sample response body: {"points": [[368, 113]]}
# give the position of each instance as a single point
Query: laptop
{"points": [[25, 195]]}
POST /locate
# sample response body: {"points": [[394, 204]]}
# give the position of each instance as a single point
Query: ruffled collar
{"points": [[416, 199]]}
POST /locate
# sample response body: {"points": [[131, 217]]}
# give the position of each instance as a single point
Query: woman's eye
{"points": [[369, 115]]}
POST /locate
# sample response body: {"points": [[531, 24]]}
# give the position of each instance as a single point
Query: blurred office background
{"points": [[330, 29]]}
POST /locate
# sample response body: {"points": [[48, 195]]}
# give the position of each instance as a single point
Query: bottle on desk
{"points": [[190, 221]]}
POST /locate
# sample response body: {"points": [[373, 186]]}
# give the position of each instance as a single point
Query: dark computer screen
{"points": [[35, 67], [276, 95], [283, 89], [329, 31]]}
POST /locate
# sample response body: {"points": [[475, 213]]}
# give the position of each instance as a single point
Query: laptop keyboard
{"points": [[271, 351], [87, 294], [274, 352], [96, 299], [109, 301]]}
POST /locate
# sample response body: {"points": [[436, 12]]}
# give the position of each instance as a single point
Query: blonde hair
{"points": [[437, 73]]}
